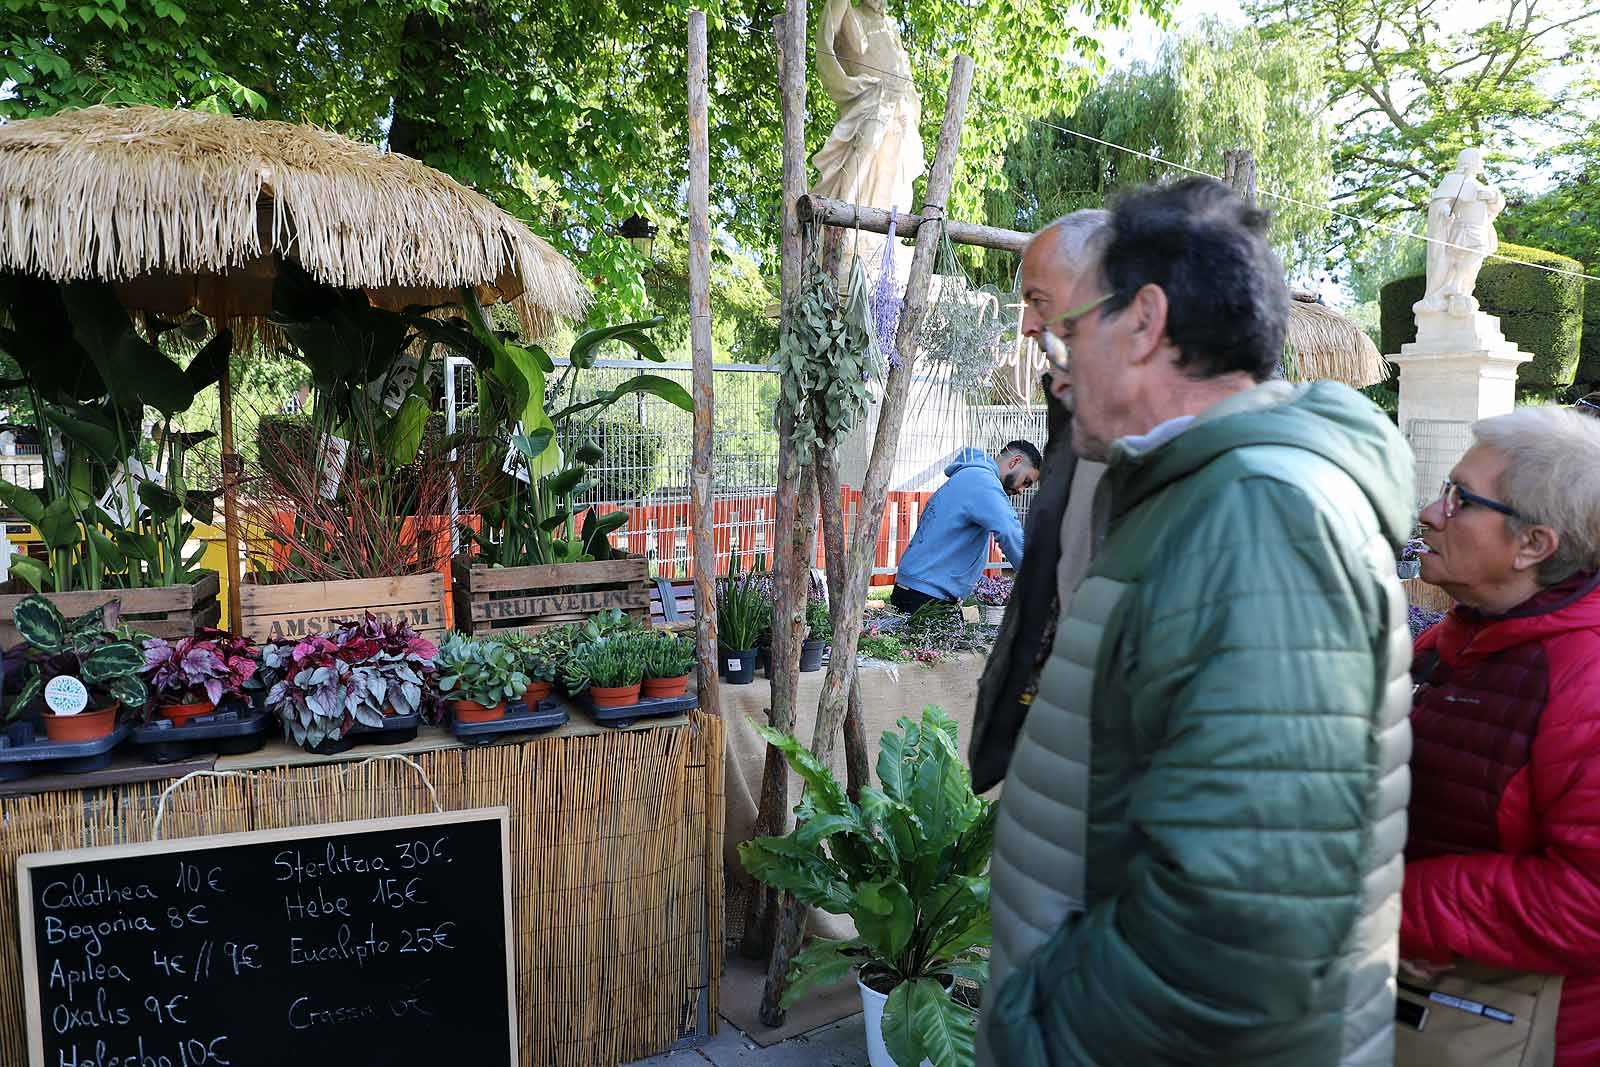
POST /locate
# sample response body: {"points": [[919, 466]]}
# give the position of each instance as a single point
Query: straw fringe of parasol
{"points": [[185, 209], [1328, 345]]}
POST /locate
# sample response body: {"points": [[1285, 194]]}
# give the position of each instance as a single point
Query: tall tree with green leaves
{"points": [[1413, 82], [1212, 89]]}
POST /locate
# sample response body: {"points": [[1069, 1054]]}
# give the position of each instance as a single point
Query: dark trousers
{"points": [[909, 600]]}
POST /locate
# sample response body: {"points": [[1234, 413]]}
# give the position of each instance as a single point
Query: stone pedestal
{"points": [[1460, 368]]}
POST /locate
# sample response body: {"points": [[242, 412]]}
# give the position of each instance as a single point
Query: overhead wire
{"points": [[1327, 209]]}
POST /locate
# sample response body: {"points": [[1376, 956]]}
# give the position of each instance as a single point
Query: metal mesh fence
{"points": [[648, 445]]}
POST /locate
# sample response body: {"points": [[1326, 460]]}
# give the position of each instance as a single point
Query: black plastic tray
{"points": [[519, 719], [237, 730], [396, 730], [24, 752], [631, 713]]}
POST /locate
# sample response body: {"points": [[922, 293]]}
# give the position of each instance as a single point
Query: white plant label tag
{"points": [[735, 665], [334, 451], [401, 379], [125, 486], [515, 465], [65, 695]]}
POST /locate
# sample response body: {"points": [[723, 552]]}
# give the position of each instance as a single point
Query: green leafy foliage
{"points": [[615, 660], [819, 623], [909, 865], [485, 672], [744, 611], [667, 655], [87, 648], [826, 358]]}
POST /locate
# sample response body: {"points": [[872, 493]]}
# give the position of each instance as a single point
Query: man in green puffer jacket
{"points": [[1197, 856]]}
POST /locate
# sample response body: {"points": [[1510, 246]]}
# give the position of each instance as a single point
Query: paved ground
{"points": [[840, 1044]]}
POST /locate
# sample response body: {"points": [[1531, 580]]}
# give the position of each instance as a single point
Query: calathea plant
{"points": [[909, 865], [85, 648]]}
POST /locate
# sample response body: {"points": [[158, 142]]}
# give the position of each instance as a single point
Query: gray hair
{"points": [[1078, 235], [1552, 478]]}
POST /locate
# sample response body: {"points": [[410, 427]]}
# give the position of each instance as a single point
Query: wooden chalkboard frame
{"points": [[28, 862]]}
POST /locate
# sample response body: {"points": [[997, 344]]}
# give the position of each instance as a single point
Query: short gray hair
{"points": [[1078, 235], [1552, 478]]}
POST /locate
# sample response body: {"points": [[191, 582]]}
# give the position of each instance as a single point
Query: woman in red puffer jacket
{"points": [[1503, 854]]}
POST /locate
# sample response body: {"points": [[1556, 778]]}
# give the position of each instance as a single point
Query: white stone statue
{"points": [[875, 150], [1462, 213]]}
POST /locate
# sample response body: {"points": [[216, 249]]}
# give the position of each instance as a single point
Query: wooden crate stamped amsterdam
{"points": [[286, 612], [165, 611], [534, 598]]}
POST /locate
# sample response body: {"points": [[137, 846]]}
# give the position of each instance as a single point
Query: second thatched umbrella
{"points": [[190, 212], [1328, 345]]}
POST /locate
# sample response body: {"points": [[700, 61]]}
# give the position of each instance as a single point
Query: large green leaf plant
{"points": [[106, 519], [909, 865], [530, 513]]}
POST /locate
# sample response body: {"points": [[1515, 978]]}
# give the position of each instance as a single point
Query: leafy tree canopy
{"points": [[1212, 89], [567, 112]]}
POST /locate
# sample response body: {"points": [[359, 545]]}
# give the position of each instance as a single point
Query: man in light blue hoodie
{"points": [[951, 546]]}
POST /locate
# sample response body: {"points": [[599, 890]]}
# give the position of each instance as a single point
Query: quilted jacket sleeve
{"points": [[1253, 690], [1536, 911]]}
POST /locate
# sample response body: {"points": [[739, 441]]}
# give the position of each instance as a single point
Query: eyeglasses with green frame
{"points": [[1455, 498], [1056, 349]]}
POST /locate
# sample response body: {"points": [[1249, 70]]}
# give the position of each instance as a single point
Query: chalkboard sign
{"points": [[362, 944]]}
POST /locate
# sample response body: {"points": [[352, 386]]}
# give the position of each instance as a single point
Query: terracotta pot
{"points": [[664, 688], [536, 692], [84, 726], [614, 696], [180, 714], [472, 711]]}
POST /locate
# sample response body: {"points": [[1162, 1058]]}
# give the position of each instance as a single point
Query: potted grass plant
{"points": [[85, 670], [191, 676], [743, 614], [611, 669], [910, 866], [819, 634], [668, 659], [479, 677]]}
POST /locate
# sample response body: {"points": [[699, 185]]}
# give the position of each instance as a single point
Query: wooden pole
{"points": [[821, 209], [856, 760], [874, 496], [230, 481], [1239, 171], [700, 507], [772, 813]]}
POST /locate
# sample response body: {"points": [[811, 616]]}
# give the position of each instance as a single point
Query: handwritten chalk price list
{"points": [[384, 942]]}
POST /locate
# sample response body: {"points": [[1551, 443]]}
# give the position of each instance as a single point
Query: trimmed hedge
{"points": [[1589, 348], [1542, 313]]}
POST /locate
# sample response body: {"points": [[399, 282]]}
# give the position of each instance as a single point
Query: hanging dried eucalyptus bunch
{"points": [[826, 358], [961, 332]]}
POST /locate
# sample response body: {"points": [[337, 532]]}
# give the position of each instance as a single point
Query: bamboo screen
{"points": [[616, 838]]}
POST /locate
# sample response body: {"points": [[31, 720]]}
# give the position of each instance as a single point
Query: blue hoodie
{"points": [[951, 546]]}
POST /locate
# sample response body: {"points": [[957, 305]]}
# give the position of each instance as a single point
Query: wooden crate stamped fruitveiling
{"points": [[278, 613], [534, 598], [165, 611]]}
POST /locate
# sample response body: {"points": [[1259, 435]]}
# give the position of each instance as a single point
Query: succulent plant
{"points": [[538, 655], [618, 660], [485, 672], [667, 655]]}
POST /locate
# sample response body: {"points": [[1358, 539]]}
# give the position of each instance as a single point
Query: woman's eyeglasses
{"points": [[1589, 405], [1455, 498], [1056, 349]]}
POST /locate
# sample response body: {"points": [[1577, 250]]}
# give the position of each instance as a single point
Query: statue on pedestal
{"points": [[1461, 218], [874, 152]]}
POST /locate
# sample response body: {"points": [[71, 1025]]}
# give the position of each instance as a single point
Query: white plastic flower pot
{"points": [[872, 1003], [992, 614]]}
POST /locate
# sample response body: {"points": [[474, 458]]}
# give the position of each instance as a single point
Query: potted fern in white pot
{"points": [[910, 865]]}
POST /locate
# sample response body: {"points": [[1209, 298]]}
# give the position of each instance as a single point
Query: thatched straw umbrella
{"points": [[187, 211], [1328, 345]]}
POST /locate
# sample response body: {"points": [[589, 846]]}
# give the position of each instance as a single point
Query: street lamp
{"points": [[640, 232]]}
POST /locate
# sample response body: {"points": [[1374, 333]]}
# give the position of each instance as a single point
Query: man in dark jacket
{"points": [[1058, 527]]}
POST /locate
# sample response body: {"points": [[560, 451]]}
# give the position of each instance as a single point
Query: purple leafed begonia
{"points": [[211, 665]]}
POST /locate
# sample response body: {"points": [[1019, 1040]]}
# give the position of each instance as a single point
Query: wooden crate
{"points": [[295, 609], [535, 598], [167, 611]]}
